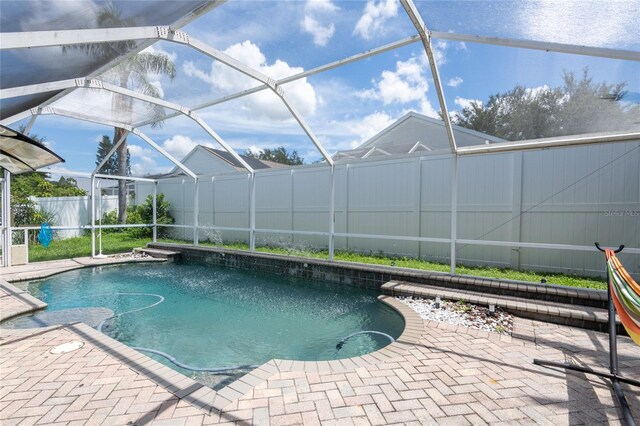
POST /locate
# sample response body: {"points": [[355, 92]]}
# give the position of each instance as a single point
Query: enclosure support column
{"points": [[332, 213], [196, 206], [93, 216], [252, 212], [155, 212], [516, 209], [6, 218], [454, 210]]}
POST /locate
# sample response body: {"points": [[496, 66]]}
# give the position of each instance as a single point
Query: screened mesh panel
{"points": [[520, 94], [11, 106], [110, 106], [19, 67], [598, 24]]}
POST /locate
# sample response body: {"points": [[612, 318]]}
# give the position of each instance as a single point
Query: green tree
{"points": [[132, 73], [578, 106], [278, 155], [111, 166]]}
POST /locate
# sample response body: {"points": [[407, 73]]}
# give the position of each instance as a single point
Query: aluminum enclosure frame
{"points": [[49, 38]]}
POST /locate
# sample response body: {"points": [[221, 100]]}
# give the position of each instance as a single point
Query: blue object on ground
{"points": [[46, 235]]}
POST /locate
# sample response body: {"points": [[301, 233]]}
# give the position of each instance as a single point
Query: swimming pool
{"points": [[209, 316]]}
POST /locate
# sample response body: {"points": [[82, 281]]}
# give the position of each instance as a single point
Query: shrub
{"points": [[142, 214]]}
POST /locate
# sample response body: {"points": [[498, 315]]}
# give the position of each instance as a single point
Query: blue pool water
{"points": [[217, 317]]}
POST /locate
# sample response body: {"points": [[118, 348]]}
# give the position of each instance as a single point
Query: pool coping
{"points": [[28, 303], [200, 395], [48, 268]]}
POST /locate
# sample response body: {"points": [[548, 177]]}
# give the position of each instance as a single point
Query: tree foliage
{"points": [[132, 73], [111, 166], [278, 155], [580, 105]]}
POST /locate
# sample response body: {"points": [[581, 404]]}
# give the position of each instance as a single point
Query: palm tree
{"points": [[131, 73]]}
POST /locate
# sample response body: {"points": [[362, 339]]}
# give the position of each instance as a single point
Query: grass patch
{"points": [[424, 265], [120, 242], [123, 242]]}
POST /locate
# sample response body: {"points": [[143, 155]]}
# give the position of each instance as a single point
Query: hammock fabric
{"points": [[625, 293]]}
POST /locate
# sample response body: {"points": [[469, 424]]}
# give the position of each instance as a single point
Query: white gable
{"points": [[202, 162]]}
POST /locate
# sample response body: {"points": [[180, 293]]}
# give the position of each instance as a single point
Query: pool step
{"points": [[157, 253], [559, 313]]}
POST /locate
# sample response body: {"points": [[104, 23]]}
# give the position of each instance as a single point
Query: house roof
{"points": [[415, 132], [224, 156], [255, 163]]}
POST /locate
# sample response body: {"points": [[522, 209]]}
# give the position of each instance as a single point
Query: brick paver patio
{"points": [[450, 375]]}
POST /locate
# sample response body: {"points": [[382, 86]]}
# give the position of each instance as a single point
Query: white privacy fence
{"points": [[74, 211], [538, 210]]}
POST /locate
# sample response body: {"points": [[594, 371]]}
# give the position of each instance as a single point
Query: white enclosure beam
{"points": [[559, 141], [183, 38], [29, 125], [417, 21], [182, 21], [101, 85], [111, 152], [170, 105], [162, 151], [6, 219], [155, 212], [454, 211], [14, 92], [627, 55], [31, 39], [93, 216], [313, 71], [97, 175], [137, 132]]}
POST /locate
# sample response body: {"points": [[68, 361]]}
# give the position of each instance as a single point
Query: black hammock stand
{"points": [[614, 372]]}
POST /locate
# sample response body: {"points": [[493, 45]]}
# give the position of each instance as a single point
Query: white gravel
{"points": [[461, 313], [132, 255]]}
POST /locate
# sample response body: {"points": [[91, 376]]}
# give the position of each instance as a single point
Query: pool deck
{"points": [[436, 374]]}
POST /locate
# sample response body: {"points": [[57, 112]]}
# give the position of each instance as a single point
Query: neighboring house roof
{"points": [[255, 163], [417, 133], [228, 161]]}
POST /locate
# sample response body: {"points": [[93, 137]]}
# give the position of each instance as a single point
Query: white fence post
{"points": [[454, 210], [252, 213], [332, 213], [196, 208]]}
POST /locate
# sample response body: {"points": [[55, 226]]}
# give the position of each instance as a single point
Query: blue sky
{"points": [[347, 105]]}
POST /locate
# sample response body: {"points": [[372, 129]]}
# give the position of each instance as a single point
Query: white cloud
{"points": [[264, 104], [138, 151], [455, 81], [368, 126], [375, 14], [465, 103], [179, 145], [407, 84], [317, 16]]}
